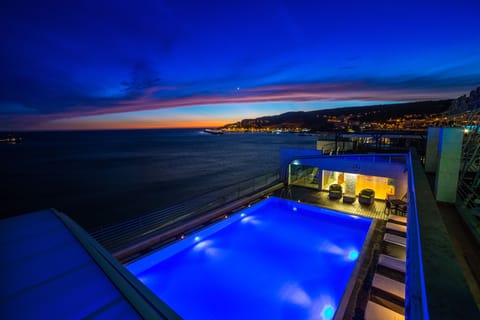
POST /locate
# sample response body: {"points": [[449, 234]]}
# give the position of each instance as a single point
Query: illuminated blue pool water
{"points": [[276, 260]]}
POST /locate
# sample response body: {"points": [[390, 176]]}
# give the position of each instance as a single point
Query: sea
{"points": [[102, 177]]}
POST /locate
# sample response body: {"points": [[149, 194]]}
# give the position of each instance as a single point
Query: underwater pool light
{"points": [[353, 255], [328, 312]]}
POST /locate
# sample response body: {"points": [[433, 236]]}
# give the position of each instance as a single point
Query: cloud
{"points": [[61, 61], [14, 108], [58, 55], [143, 78], [147, 98]]}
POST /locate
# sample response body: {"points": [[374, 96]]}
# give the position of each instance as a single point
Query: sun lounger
{"points": [[393, 287], [391, 263], [374, 311], [397, 219], [396, 227], [401, 241]]}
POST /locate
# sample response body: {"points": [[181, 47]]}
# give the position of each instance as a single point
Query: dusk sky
{"points": [[144, 64]]}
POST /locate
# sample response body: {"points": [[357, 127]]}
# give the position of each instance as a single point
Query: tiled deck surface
{"points": [[320, 198]]}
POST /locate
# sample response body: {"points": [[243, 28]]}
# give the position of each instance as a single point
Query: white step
{"points": [[391, 286], [396, 227], [397, 218], [392, 238], [391, 263], [374, 311]]}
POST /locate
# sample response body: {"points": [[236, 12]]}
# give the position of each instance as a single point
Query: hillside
{"points": [[322, 119]]}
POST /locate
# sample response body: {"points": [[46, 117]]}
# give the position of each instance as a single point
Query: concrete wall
{"points": [[350, 183], [366, 167], [401, 185], [431, 154], [448, 164]]}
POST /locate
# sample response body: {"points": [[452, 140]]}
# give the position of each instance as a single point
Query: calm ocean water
{"points": [[99, 177]]}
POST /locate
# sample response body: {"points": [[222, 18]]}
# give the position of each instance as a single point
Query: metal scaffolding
{"points": [[465, 112], [469, 183]]}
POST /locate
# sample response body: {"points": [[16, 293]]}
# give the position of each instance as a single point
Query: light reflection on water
{"points": [[295, 266]]}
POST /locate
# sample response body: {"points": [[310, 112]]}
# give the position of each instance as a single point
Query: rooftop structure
{"points": [[436, 281], [52, 269]]}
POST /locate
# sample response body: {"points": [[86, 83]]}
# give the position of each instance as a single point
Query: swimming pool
{"points": [[276, 260]]}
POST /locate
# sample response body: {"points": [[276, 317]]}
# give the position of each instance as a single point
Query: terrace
{"points": [[437, 282], [424, 234], [378, 210]]}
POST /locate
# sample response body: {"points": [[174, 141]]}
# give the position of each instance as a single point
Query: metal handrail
{"points": [[388, 157], [118, 235], [468, 196], [147, 304]]}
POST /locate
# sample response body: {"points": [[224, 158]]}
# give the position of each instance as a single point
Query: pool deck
{"points": [[320, 198]]}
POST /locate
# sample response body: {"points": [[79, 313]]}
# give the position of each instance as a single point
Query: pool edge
{"points": [[344, 302]]}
